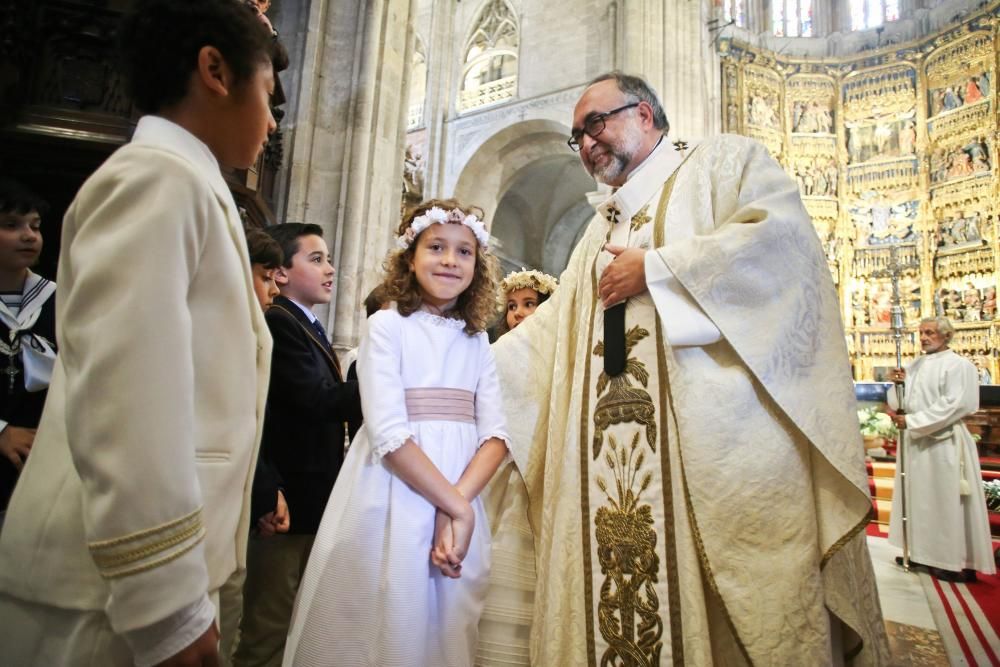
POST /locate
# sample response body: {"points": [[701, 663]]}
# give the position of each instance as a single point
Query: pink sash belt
{"points": [[437, 404]]}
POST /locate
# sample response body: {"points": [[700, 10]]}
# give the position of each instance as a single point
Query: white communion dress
{"points": [[370, 595]]}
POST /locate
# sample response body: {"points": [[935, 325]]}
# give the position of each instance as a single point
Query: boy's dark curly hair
{"points": [[476, 305], [159, 41]]}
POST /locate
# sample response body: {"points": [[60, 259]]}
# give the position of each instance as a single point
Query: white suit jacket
{"points": [[136, 495]]}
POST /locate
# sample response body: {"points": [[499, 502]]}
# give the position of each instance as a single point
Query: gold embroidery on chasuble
{"points": [[640, 218], [611, 215], [624, 403], [626, 480]]}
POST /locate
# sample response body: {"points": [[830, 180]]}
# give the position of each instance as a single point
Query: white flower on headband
{"points": [[437, 215], [536, 280]]}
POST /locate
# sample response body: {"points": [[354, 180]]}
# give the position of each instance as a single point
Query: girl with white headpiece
{"points": [[400, 565], [521, 293]]}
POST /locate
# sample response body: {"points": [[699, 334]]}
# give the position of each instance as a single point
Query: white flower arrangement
{"points": [[876, 424], [440, 216], [542, 283]]}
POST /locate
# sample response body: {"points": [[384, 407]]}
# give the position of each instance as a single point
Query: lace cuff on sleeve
{"points": [[389, 444]]}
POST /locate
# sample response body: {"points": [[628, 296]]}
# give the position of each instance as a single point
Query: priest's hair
{"points": [[637, 90], [943, 325]]}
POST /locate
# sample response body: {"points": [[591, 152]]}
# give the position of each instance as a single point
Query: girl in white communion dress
{"points": [[398, 573]]}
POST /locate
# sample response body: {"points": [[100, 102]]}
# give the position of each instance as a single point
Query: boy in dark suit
{"points": [[308, 404]]}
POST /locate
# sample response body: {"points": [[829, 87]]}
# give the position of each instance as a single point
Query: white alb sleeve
{"points": [[684, 322]]}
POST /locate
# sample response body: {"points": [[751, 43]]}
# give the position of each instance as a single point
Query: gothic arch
{"points": [[490, 57], [533, 192]]}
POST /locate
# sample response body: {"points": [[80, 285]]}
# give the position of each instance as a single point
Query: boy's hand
{"points": [[202, 652], [278, 521], [442, 555], [15, 444], [265, 525], [282, 519]]}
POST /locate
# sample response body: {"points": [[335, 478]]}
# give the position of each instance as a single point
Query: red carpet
{"points": [[973, 611], [876, 529]]}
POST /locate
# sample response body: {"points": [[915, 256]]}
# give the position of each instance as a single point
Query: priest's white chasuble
{"points": [[706, 505]]}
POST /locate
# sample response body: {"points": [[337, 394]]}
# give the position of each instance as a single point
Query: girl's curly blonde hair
{"points": [[476, 305]]}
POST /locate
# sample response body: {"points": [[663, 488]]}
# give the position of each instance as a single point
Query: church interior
{"points": [[884, 112]]}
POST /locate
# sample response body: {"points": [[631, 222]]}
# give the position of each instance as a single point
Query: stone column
{"points": [[669, 44], [291, 19], [442, 56], [347, 156]]}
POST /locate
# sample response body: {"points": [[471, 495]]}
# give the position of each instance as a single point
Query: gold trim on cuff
{"points": [[128, 554]]}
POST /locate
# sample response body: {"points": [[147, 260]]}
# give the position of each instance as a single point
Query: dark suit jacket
{"points": [[308, 403]]}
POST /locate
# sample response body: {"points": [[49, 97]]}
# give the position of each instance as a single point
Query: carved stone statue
{"points": [[973, 302], [990, 304], [907, 138], [413, 173]]}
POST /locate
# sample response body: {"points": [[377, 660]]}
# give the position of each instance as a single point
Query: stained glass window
{"points": [[858, 15], [806, 18], [873, 13], [733, 12], [792, 18], [891, 10]]}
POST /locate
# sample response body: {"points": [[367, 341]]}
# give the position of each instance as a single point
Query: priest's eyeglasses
{"points": [[593, 126]]}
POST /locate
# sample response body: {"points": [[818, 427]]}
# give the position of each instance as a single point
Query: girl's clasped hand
{"points": [[451, 542]]}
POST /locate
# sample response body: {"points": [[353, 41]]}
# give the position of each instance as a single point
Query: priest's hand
{"points": [[624, 277], [897, 375], [899, 421]]}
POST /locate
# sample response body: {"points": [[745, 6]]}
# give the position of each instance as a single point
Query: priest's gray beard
{"points": [[621, 154]]}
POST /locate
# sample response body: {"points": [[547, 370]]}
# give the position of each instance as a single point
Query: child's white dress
{"points": [[370, 595]]}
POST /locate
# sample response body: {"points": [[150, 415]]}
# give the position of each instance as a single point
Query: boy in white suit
{"points": [[133, 508]]}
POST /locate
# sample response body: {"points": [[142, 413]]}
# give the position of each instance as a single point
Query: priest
{"points": [[948, 526], [686, 447]]}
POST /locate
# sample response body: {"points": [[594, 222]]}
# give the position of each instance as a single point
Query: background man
{"points": [[684, 420], [949, 530]]}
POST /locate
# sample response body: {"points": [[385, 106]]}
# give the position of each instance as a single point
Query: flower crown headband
{"points": [[439, 216], [536, 280]]}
